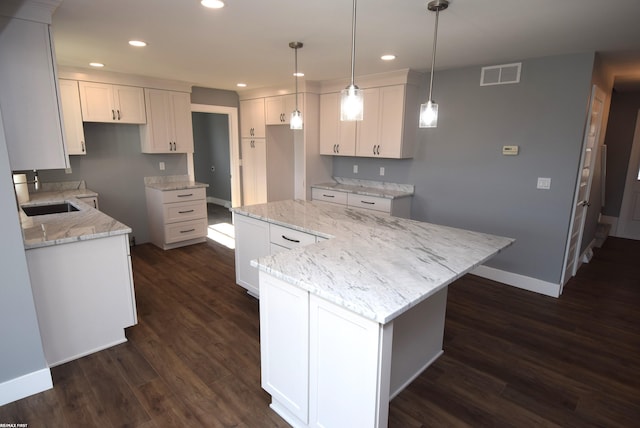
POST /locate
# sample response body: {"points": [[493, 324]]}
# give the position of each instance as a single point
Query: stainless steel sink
{"points": [[33, 210]]}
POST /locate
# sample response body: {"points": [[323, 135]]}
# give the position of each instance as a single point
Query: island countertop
{"points": [[375, 265], [55, 229]]}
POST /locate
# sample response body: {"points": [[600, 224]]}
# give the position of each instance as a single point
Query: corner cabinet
{"points": [[388, 128], [168, 128], [72, 117], [102, 102], [29, 97]]}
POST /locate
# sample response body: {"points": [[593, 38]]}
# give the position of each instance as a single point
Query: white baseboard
{"points": [[24, 386], [218, 201], [517, 280], [613, 221]]}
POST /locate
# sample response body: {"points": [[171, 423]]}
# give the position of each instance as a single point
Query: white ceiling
{"points": [[247, 41]]}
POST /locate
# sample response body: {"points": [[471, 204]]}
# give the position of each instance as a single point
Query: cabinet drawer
{"points": [[176, 232], [169, 196], [183, 211], [334, 196], [369, 202], [289, 238]]}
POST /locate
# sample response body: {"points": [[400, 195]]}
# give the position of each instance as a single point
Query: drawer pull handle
{"points": [[187, 231], [185, 196], [368, 203], [185, 212], [328, 196], [291, 240]]}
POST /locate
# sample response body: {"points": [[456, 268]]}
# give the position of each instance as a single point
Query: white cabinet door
{"points": [[337, 138], [29, 96], [252, 118], [102, 102], [254, 171], [72, 117], [284, 344], [279, 109], [343, 367], [396, 137], [168, 128], [368, 130], [252, 242]]}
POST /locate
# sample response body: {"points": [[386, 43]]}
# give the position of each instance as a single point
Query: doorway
{"points": [[629, 221], [215, 161]]}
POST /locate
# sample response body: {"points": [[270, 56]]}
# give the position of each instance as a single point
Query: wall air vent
{"points": [[500, 74]]}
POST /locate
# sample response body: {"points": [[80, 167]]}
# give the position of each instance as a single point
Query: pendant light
{"points": [[296, 116], [351, 100], [429, 110]]}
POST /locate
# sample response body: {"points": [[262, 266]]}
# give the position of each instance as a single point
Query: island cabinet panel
{"points": [[102, 102], [29, 96], [252, 242], [284, 331]]}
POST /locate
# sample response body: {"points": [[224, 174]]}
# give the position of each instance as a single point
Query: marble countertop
{"points": [[172, 182], [55, 229], [368, 188], [374, 264]]}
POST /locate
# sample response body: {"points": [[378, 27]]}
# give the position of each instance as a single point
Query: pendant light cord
{"points": [[353, 43], [433, 56], [296, 59]]}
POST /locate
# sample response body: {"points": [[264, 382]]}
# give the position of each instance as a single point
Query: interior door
{"points": [[629, 221], [583, 184]]}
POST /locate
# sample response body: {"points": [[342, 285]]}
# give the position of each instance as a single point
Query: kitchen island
{"points": [[348, 322], [80, 269]]}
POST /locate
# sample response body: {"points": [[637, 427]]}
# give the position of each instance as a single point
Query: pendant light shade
{"points": [[296, 117], [351, 99], [429, 110]]}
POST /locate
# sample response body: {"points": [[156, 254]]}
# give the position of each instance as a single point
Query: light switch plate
{"points": [[381, 170], [544, 183], [161, 166], [355, 169]]}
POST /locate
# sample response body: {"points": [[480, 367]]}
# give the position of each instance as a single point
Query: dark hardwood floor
{"points": [[512, 358]]}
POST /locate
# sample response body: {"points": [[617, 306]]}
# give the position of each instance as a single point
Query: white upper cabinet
{"points": [[279, 109], [168, 128], [388, 128], [29, 96], [252, 118], [337, 138], [72, 117], [103, 102]]}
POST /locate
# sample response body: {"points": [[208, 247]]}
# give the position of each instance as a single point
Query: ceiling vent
{"points": [[500, 74]]}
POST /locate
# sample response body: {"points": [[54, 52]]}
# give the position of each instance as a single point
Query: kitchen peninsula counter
{"points": [[348, 320]]}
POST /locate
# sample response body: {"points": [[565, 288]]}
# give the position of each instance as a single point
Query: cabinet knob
{"points": [[82, 145], [113, 114], [118, 114]]}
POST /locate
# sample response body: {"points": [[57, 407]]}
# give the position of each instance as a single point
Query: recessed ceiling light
{"points": [[298, 74], [388, 57], [241, 85], [96, 64], [212, 4], [137, 43]]}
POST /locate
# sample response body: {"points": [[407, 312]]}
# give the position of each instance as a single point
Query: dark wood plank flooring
{"points": [[512, 358]]}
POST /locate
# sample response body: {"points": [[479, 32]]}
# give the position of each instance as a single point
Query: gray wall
{"points": [[462, 179], [22, 351], [211, 148], [619, 139], [115, 168]]}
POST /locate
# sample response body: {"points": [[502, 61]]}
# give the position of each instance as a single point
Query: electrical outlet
{"points": [[544, 183], [161, 165], [381, 170], [355, 169]]}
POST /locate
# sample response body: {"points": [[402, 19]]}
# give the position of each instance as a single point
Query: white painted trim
{"points": [[519, 281], [587, 254], [234, 145], [24, 386], [613, 221], [218, 201]]}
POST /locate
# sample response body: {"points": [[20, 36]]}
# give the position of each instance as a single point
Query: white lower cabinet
{"points": [[176, 217], [92, 201], [84, 296], [399, 207], [320, 362]]}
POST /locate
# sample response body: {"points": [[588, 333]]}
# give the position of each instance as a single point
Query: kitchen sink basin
{"points": [[32, 210]]}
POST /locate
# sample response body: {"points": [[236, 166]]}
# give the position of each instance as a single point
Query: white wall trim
{"points": [[24, 386], [519, 281], [613, 221], [218, 201]]}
